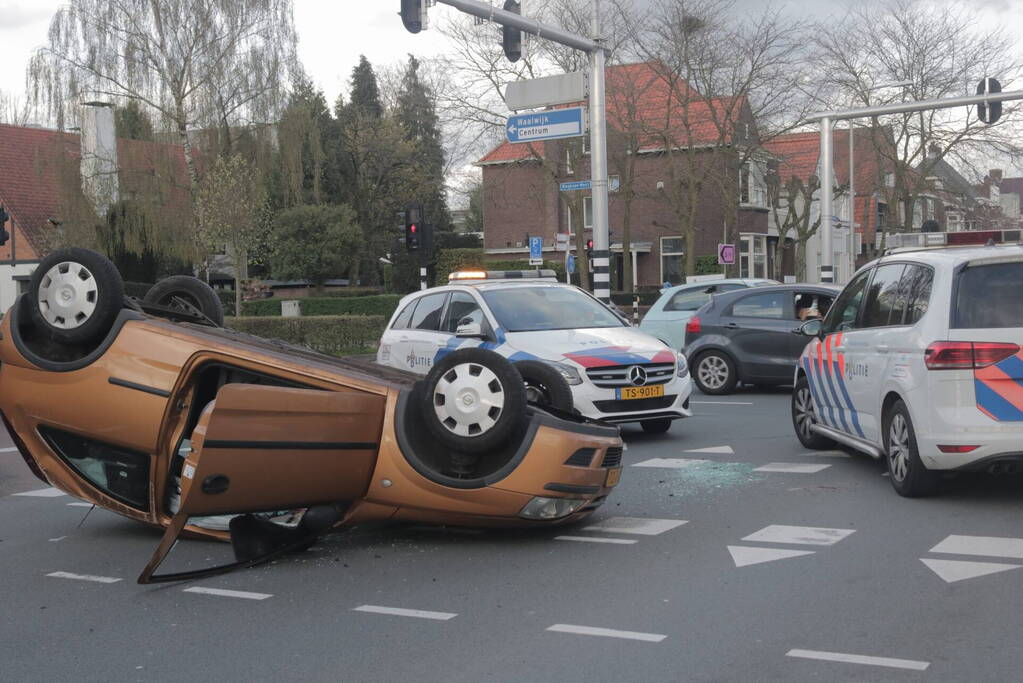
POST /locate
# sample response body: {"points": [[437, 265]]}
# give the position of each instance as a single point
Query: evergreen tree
{"points": [[417, 115], [365, 95], [132, 122]]}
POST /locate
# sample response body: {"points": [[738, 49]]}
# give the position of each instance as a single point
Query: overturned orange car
{"points": [[153, 410]]}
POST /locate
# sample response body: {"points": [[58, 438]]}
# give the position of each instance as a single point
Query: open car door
{"points": [[263, 448]]}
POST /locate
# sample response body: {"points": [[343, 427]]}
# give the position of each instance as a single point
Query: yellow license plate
{"points": [[613, 477], [632, 393]]}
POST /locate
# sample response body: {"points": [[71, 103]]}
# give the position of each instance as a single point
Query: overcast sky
{"points": [[333, 33]]}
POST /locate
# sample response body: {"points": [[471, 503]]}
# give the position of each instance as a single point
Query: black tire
{"points": [[189, 294], [460, 373], [908, 474], [804, 414], [720, 376], [82, 310], [658, 426], [546, 384]]}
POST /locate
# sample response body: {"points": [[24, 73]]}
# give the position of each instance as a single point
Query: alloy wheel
{"points": [[806, 414], [713, 372], [468, 399], [898, 447]]}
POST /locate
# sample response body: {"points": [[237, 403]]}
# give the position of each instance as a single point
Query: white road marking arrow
{"points": [[958, 570], [743, 556]]}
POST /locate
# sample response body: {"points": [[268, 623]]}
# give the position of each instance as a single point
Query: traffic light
{"points": [[413, 225], [4, 235], [413, 15], [991, 112], [589, 248], [511, 38]]}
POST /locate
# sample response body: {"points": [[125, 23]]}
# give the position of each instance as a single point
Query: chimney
{"points": [[996, 176], [99, 155]]}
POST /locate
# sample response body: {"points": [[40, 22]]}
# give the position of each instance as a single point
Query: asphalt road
{"points": [[706, 566]]}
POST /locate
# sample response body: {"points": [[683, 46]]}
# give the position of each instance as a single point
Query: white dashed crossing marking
{"points": [[59, 538], [951, 571], [79, 505], [606, 633], [991, 546], [825, 454], [798, 535], [743, 556], [791, 467], [401, 612], [42, 493], [8, 450], [84, 577], [596, 539], [636, 525], [723, 450], [889, 662], [670, 463], [245, 595]]}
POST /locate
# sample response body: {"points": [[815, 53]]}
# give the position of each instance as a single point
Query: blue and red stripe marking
{"points": [[825, 372], [999, 389], [616, 355]]}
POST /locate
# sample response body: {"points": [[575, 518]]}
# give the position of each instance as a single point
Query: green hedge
{"points": [[333, 334], [451, 260], [380, 304]]}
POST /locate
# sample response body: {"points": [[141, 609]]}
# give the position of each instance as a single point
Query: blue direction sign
{"points": [[535, 251], [613, 184], [546, 125]]}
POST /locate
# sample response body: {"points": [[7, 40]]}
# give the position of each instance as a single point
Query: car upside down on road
{"points": [[151, 410]]}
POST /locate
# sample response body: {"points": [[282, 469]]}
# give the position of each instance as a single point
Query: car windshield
{"points": [[532, 309]]}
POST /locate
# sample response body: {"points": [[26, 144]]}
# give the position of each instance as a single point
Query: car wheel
{"points": [[75, 296], [474, 400], [544, 385], [804, 415], [658, 426], [189, 294], [714, 373], [907, 472]]}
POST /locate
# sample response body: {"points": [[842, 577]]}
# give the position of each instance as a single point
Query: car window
{"points": [[843, 313], [810, 305], [427, 314], [771, 305], [914, 293], [401, 322], [462, 307], [989, 296], [692, 298], [882, 298]]}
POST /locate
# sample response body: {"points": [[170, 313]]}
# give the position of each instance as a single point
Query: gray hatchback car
{"points": [[752, 335]]}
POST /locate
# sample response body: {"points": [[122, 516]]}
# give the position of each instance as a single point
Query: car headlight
{"points": [[682, 365], [570, 374], [550, 508]]}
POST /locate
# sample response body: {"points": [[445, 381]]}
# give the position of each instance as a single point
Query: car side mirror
{"points": [[468, 329], [811, 328]]}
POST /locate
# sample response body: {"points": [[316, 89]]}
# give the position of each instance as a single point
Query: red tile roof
{"points": [[30, 172], [798, 153], [646, 101]]}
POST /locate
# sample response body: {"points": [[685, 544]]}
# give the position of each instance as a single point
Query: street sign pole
{"points": [[598, 166]]}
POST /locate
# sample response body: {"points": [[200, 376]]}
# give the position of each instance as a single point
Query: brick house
{"points": [[662, 137], [38, 165]]}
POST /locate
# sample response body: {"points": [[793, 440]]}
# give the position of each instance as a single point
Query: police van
{"points": [[614, 372], [919, 362]]}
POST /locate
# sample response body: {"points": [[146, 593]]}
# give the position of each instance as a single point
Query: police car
{"points": [[919, 362], [615, 372]]}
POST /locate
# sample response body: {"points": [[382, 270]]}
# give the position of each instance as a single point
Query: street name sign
{"points": [[613, 183], [546, 125], [726, 254], [544, 92]]}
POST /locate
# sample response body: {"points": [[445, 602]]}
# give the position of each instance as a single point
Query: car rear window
{"points": [[989, 296]]}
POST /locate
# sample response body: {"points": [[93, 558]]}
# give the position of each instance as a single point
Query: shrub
{"points": [[136, 289], [333, 334], [380, 304]]}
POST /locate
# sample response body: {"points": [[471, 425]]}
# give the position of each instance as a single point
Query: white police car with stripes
{"points": [[552, 332], [919, 361]]}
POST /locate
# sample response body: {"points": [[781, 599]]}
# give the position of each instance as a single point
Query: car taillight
{"points": [[966, 355], [693, 325], [957, 449]]}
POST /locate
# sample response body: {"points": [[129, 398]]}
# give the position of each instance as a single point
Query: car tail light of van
{"points": [[693, 325], [967, 355], [957, 449]]}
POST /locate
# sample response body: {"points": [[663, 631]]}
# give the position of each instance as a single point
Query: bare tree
{"points": [[943, 52], [196, 63], [14, 110]]}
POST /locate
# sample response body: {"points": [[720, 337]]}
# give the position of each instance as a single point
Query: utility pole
{"points": [[598, 166]]}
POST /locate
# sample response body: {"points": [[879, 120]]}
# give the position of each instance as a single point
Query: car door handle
{"points": [[404, 339], [730, 326], [882, 348]]}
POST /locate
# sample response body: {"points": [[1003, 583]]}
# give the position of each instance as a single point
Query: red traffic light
{"points": [[412, 228], [589, 244]]}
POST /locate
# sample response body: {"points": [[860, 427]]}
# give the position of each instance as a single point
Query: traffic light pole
{"points": [[827, 120], [598, 118]]}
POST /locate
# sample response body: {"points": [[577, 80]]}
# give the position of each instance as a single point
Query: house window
{"points": [[752, 187], [568, 161], [672, 260], [753, 256], [587, 214], [882, 215]]}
